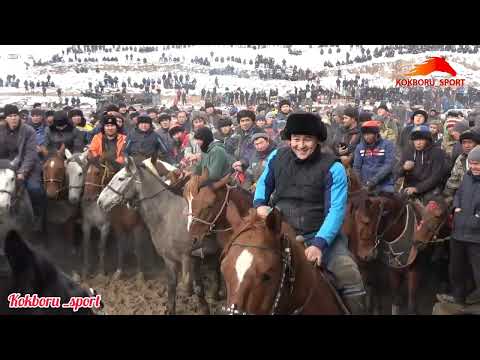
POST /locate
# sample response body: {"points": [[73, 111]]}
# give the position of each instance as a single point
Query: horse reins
{"points": [[212, 224]]}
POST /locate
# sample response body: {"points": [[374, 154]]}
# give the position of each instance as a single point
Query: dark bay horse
{"points": [[31, 272], [266, 271]]}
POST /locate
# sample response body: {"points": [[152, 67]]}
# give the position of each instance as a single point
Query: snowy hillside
{"points": [[381, 71]]}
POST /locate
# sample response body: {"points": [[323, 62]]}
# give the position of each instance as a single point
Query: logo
{"points": [[429, 66]]}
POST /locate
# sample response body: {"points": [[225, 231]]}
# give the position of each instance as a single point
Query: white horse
{"points": [[161, 211], [7, 190]]}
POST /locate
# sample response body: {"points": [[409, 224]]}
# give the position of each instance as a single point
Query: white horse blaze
{"points": [[243, 263], [52, 164], [189, 217]]}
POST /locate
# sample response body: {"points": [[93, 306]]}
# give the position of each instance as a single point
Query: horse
{"points": [[31, 272], [395, 229], [266, 271], [59, 210], [15, 207], [142, 185], [207, 204]]}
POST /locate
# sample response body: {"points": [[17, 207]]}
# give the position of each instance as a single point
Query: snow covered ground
{"points": [[18, 60]]}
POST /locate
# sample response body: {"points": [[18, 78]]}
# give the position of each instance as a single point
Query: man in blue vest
{"points": [[311, 191]]}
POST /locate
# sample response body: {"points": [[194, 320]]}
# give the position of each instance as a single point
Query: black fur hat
{"points": [[10, 110], [471, 135], [420, 112], [305, 123]]}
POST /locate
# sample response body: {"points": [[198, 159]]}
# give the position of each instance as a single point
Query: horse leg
{"points": [[199, 287], [185, 285], [172, 285], [217, 292], [86, 230], [120, 238], [138, 240], [104, 231], [412, 284], [69, 231], [395, 282]]}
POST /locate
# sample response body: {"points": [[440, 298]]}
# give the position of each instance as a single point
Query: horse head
{"points": [[54, 173], [76, 169], [98, 175], [362, 224], [433, 217], [121, 188], [252, 262], [7, 186]]}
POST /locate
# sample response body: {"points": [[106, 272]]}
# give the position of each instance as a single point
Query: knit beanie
{"points": [[474, 154]]}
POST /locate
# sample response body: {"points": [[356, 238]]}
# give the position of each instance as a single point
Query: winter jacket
{"points": [[255, 169], [456, 177], [311, 193], [466, 223], [72, 138], [229, 141], [145, 144], [457, 150], [404, 139], [389, 129], [350, 137], [40, 132], [22, 141], [374, 163], [166, 138], [429, 172], [216, 160], [280, 121], [245, 149], [96, 147]]}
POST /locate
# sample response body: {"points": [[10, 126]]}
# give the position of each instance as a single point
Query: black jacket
{"points": [[146, 144], [466, 223], [350, 137], [73, 139], [431, 168]]}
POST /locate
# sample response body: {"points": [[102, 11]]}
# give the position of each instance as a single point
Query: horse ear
{"points": [[68, 154], [153, 159], [130, 165], [221, 183], [233, 216], [83, 156], [274, 221]]}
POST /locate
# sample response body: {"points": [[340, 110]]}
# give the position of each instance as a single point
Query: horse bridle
{"points": [[213, 223], [105, 176], [287, 277]]}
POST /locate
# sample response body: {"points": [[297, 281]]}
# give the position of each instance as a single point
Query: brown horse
{"points": [[266, 271], [59, 209], [123, 220], [395, 229]]}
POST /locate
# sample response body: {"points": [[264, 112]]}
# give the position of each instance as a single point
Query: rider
{"points": [[423, 166], [19, 139], [311, 191], [61, 132], [469, 139], [143, 142], [263, 146], [109, 144], [374, 158]]}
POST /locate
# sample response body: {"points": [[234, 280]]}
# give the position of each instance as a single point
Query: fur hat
{"points": [[260, 135], [37, 112], [284, 102], [144, 119], [223, 122], [175, 130], [420, 112], [470, 135], [304, 123], [209, 105], [60, 118], [474, 154], [421, 132], [10, 110], [111, 107], [351, 112]]}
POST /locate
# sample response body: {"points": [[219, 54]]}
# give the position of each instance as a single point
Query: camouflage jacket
{"points": [[456, 177]]}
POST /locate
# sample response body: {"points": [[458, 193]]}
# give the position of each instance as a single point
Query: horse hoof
{"points": [[395, 309], [185, 289], [76, 277], [139, 278], [117, 274]]}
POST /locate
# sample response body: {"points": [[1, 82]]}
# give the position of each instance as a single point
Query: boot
{"points": [[356, 304]]}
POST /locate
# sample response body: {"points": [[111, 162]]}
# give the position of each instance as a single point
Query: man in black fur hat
{"points": [[311, 191]]}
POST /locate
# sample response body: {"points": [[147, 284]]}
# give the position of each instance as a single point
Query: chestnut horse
{"points": [[59, 210], [122, 220], [207, 203], [266, 271]]}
